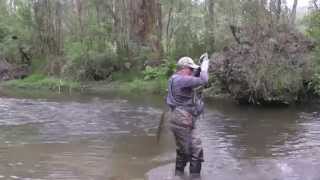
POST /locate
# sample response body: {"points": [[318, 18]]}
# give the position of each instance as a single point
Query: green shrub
{"points": [[126, 76], [313, 21], [91, 66], [161, 72], [313, 31]]}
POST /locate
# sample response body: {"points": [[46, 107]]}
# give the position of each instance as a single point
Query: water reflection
{"points": [[258, 132], [72, 140]]}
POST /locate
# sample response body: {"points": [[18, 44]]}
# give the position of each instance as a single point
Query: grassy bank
{"points": [[41, 82], [137, 86], [133, 84]]}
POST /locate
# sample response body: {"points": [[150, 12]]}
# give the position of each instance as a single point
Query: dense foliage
{"points": [[89, 40], [142, 39], [271, 67], [313, 31]]}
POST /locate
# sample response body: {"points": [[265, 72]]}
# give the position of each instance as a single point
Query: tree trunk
{"points": [[278, 10], [294, 12], [315, 4], [78, 5], [168, 39], [58, 28], [157, 43], [146, 24], [275, 9], [48, 19], [210, 25]]}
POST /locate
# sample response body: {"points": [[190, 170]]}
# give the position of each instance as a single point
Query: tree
{"points": [[315, 4], [294, 11], [210, 25], [146, 24], [48, 21]]}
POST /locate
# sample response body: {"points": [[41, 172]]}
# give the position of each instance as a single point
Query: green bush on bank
{"points": [[83, 63], [313, 31], [162, 72], [38, 81], [151, 80], [315, 83]]}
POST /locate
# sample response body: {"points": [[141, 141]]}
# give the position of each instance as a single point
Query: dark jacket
{"points": [[181, 92]]}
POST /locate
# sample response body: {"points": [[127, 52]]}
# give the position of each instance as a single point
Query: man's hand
{"points": [[203, 56], [204, 62]]}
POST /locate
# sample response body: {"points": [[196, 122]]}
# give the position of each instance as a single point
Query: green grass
{"points": [[134, 82], [38, 64], [127, 76], [38, 81], [123, 84], [158, 86]]}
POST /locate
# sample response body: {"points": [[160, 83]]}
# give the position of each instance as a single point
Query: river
{"points": [[110, 136]]}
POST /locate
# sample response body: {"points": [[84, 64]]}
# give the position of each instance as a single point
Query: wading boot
{"points": [[181, 162], [195, 169]]}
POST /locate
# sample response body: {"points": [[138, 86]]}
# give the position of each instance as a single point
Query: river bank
{"points": [[133, 85], [54, 84]]}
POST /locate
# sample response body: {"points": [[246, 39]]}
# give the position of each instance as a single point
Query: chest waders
{"points": [[197, 95], [182, 124]]}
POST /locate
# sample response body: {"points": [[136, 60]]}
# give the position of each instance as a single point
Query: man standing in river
{"points": [[185, 108]]}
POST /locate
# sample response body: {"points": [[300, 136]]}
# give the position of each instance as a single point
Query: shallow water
{"points": [[94, 136]]}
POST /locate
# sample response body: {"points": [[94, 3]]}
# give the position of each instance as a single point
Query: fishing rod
{"points": [[160, 126]]}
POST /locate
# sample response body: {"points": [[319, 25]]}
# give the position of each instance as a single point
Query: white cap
{"points": [[187, 62]]}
